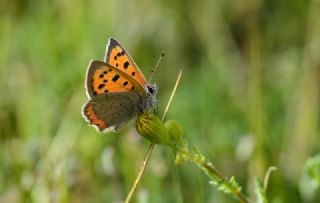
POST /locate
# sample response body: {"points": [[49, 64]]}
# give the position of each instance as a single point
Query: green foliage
{"points": [[175, 132], [260, 192], [261, 188], [310, 180], [312, 169], [230, 187], [150, 127], [251, 78]]}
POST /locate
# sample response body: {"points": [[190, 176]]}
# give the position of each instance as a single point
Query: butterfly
{"points": [[117, 90]]}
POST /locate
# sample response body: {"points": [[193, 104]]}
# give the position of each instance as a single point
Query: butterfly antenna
{"points": [[153, 70]]}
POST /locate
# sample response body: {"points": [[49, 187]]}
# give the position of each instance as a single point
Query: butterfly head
{"points": [[152, 89], [149, 101]]}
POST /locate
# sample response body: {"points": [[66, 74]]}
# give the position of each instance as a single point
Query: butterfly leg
{"points": [[156, 110]]}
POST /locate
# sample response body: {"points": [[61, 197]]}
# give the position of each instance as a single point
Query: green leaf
{"points": [[260, 192], [312, 169]]}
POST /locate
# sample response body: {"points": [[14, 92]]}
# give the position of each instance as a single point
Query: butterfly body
{"points": [[117, 90]]}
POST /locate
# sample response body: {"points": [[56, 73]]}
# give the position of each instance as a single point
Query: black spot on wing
{"points": [[115, 78], [126, 65], [101, 86], [125, 83], [133, 73]]}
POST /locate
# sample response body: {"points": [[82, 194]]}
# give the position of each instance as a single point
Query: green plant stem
{"points": [[151, 146], [212, 172], [267, 176]]}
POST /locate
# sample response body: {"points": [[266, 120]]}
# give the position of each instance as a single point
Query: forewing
{"points": [[118, 57], [102, 78]]}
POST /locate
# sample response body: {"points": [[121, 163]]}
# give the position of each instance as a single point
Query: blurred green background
{"points": [[249, 97]]}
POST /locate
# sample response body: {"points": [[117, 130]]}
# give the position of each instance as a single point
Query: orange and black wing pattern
{"points": [[103, 78], [115, 88], [119, 58]]}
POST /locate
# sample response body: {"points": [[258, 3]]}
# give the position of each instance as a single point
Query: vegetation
{"points": [[249, 99]]}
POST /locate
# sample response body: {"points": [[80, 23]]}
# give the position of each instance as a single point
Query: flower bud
{"points": [[150, 127], [175, 133]]}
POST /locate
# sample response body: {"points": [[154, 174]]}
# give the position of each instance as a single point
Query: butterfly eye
{"points": [[152, 89]]}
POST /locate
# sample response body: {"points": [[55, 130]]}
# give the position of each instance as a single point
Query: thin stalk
{"points": [[172, 95], [142, 168], [151, 146], [266, 178]]}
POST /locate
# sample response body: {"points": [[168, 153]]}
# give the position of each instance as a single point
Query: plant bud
{"points": [[150, 127], [175, 133]]}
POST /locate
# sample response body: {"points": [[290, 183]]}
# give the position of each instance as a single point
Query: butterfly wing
{"points": [[106, 111], [118, 57], [102, 78], [116, 89]]}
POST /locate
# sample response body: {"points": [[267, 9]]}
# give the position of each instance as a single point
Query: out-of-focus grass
{"points": [[249, 97]]}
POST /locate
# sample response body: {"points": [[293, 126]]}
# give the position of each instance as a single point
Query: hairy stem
{"points": [[213, 173]]}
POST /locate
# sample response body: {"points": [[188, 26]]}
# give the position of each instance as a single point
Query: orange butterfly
{"points": [[117, 90]]}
